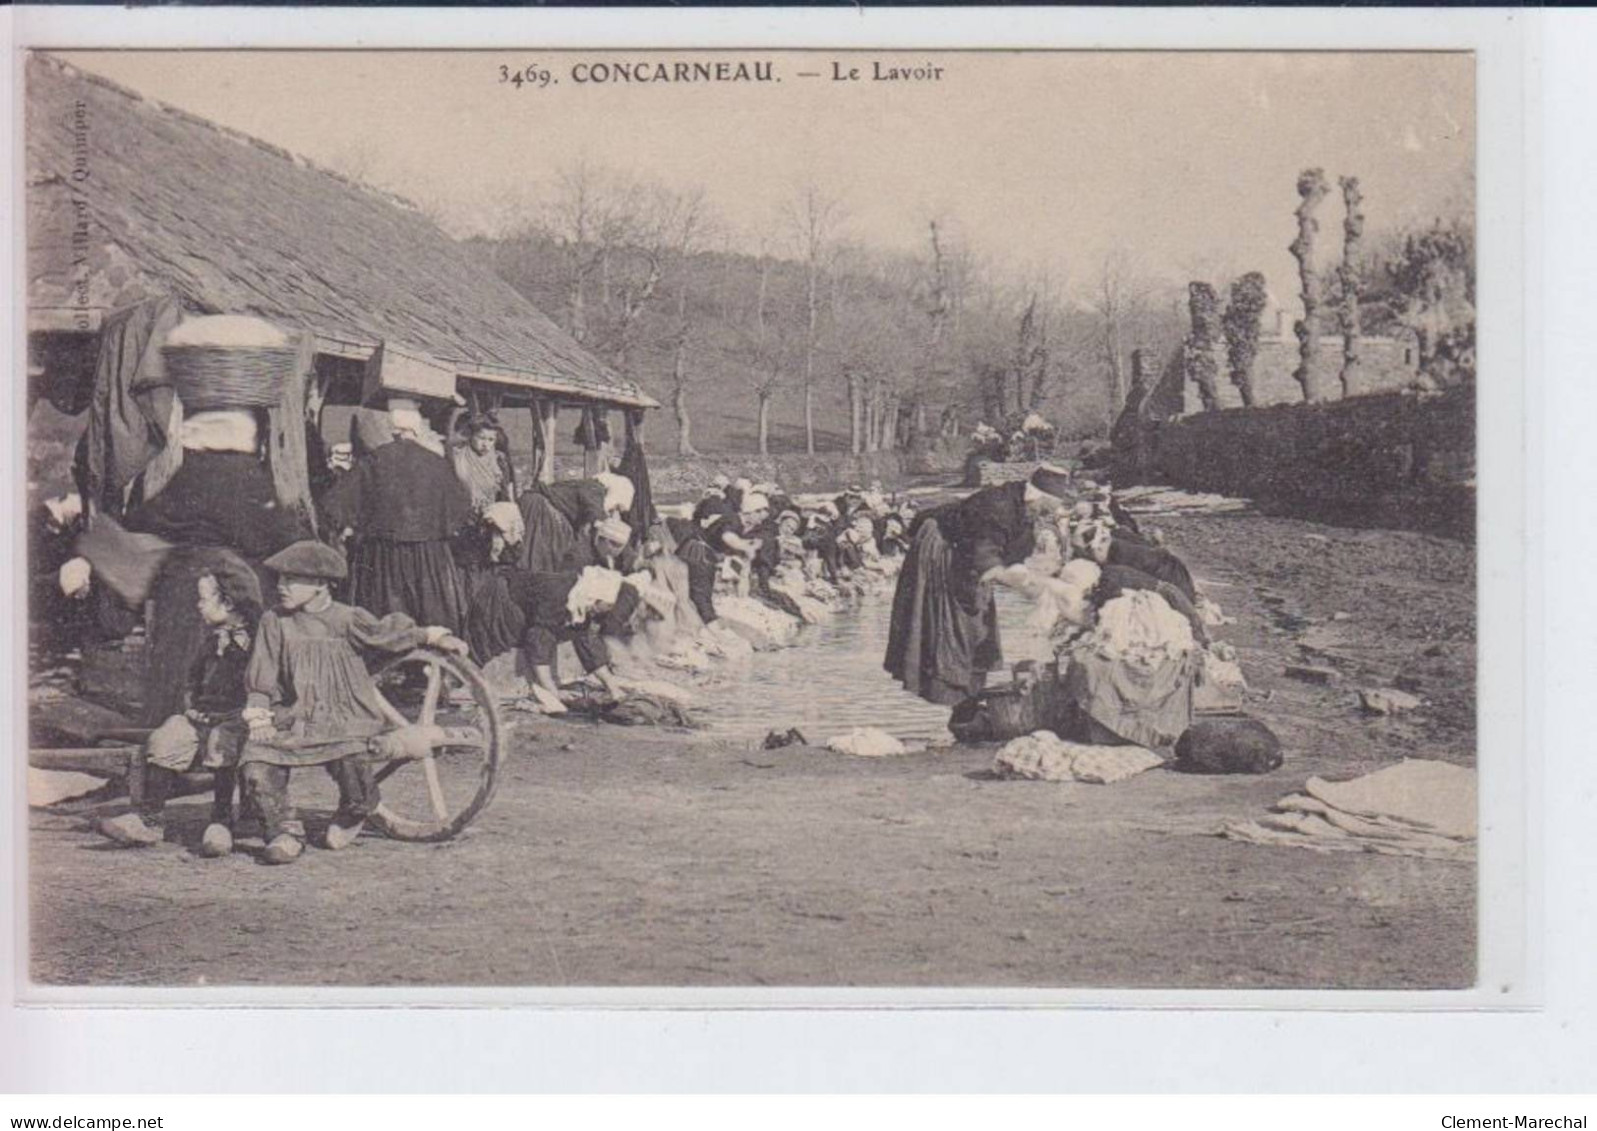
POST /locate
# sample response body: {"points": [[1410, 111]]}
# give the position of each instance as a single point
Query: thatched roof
{"points": [[230, 224]]}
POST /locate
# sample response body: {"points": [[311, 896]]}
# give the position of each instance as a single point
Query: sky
{"points": [[1183, 162]]}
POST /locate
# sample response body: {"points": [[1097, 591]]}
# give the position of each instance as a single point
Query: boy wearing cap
{"points": [[311, 700]]}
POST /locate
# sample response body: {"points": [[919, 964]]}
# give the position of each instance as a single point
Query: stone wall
{"points": [[1391, 459], [1386, 365]]}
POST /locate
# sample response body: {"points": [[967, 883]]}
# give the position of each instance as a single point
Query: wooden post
{"points": [[545, 414]]}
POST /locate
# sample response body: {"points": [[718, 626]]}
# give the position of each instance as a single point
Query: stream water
{"points": [[832, 680]]}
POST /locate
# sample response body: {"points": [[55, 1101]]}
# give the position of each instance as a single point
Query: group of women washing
{"points": [[1127, 623]]}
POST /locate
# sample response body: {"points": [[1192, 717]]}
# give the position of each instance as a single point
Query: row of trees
{"points": [[917, 344], [920, 344]]}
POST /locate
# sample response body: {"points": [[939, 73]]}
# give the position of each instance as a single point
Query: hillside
{"points": [[872, 320]]}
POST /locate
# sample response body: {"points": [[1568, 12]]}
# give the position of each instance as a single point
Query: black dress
{"points": [[405, 505], [943, 639], [554, 515]]}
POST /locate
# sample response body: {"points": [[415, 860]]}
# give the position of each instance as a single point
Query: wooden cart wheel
{"points": [[437, 791]]}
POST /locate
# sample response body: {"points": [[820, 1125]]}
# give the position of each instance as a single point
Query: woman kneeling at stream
{"points": [[580, 608]]}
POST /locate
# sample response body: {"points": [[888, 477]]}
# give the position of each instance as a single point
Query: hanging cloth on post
{"points": [[635, 466], [131, 410], [285, 430]]}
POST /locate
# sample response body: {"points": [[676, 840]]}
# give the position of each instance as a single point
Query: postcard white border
{"points": [[1508, 52]]}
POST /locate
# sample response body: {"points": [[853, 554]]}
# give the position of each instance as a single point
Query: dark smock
{"points": [[216, 500], [943, 639], [405, 505]]}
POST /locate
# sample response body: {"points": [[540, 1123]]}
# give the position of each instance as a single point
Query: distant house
{"points": [[1386, 364], [129, 199]]}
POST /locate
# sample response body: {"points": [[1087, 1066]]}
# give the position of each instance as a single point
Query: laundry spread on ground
{"points": [[866, 742], [1044, 756], [1415, 808]]}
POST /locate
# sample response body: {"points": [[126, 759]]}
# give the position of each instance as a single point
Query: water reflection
{"points": [[832, 680]]}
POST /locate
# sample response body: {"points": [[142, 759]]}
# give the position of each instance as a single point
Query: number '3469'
{"points": [[530, 75]]}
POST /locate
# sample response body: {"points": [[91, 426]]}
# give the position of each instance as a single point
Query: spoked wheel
{"points": [[447, 746]]}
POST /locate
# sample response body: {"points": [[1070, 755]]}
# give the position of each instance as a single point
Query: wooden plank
{"points": [[72, 721], [391, 369]]}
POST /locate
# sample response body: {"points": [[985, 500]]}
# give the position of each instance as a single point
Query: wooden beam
{"points": [[97, 761]]}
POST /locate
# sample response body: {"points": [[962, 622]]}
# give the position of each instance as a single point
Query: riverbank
{"points": [[640, 857]]}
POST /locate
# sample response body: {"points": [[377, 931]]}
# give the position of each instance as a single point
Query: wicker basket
{"points": [[210, 377]]}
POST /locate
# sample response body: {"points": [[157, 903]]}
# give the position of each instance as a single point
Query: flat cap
{"points": [[309, 559]]}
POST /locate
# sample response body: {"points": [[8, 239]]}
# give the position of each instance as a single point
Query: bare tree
{"points": [[1038, 355], [1115, 299], [662, 225], [764, 347], [813, 218], [876, 338], [591, 212], [1312, 189], [687, 235], [940, 302]]}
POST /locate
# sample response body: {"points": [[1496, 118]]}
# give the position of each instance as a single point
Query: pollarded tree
{"points": [[1312, 189], [1348, 277], [1249, 297], [1198, 352]]}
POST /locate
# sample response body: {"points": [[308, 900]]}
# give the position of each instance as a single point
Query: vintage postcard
{"points": [[985, 521]]}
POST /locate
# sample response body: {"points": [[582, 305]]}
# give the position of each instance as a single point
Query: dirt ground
{"points": [[616, 856]]}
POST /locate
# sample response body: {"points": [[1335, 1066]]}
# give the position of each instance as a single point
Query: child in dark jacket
{"points": [[209, 734]]}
